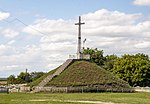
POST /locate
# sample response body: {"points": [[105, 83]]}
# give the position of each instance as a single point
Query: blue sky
{"points": [[66, 9], [115, 26]]}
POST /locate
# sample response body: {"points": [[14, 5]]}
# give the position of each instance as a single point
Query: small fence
{"points": [[3, 90], [80, 89], [83, 56]]}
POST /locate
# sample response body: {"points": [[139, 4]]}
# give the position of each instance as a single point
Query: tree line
{"points": [[135, 69], [24, 77]]}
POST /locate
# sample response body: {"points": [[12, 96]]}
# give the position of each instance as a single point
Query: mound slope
{"points": [[89, 75], [82, 73]]}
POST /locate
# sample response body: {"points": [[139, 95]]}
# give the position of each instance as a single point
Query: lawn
{"points": [[63, 98]]}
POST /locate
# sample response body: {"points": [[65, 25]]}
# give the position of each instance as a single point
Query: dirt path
{"points": [[89, 102], [71, 101], [74, 101]]}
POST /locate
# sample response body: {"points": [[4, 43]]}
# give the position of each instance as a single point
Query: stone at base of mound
{"points": [[81, 89]]}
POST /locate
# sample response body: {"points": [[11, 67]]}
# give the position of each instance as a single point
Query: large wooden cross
{"points": [[79, 38]]}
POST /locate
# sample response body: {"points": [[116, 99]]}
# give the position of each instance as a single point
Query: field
{"points": [[75, 98]]}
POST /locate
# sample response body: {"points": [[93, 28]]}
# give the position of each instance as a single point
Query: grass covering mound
{"points": [[83, 73]]}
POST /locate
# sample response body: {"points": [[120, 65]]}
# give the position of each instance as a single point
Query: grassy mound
{"points": [[83, 73]]}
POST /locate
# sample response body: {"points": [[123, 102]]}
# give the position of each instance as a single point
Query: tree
{"points": [[96, 55], [135, 69], [11, 79], [36, 75], [23, 77], [109, 63]]}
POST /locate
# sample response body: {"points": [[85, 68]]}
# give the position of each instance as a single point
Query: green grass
{"points": [[25, 98], [82, 73]]}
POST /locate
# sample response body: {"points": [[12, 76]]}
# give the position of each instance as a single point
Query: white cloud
{"points": [[7, 50], [22, 56], [143, 44], [112, 31], [116, 32], [110, 23], [12, 66], [9, 33], [103, 29], [142, 2], [3, 49], [4, 15], [105, 18], [46, 26], [11, 42]]}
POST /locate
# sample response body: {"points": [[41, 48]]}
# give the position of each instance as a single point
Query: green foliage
{"points": [[23, 77], [11, 79], [96, 55], [36, 75], [110, 59], [134, 69]]}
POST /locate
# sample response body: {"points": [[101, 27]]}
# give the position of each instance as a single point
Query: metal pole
{"points": [[79, 38]]}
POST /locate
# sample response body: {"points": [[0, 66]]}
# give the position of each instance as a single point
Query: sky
{"points": [[39, 35]]}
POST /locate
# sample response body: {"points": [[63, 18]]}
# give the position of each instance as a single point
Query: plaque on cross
{"points": [[79, 54]]}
